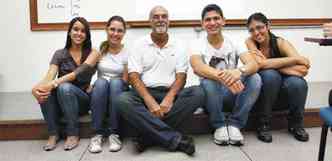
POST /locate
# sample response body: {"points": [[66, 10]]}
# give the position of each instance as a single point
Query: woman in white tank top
{"points": [[111, 82]]}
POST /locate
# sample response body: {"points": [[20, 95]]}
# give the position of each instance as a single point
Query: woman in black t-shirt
{"points": [[63, 91], [282, 70]]}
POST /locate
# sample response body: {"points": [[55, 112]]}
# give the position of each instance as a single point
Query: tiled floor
{"points": [[283, 148]]}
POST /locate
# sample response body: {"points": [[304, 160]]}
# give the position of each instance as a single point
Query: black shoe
{"points": [[139, 144], [186, 145], [264, 134], [299, 133]]}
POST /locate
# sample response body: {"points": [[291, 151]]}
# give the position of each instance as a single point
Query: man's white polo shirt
{"points": [[229, 52], [156, 66]]}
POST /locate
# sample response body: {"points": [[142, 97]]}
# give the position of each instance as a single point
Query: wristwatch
{"points": [[243, 70]]}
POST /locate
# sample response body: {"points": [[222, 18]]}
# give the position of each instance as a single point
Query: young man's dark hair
{"points": [[212, 7]]}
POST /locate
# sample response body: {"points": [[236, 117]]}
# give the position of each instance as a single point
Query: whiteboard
{"points": [[57, 11], [55, 14]]}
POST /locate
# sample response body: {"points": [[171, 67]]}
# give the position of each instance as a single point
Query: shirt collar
{"points": [[149, 41]]}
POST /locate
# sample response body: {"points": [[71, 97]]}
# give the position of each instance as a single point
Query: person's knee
{"points": [[116, 86], [208, 85], [122, 102], [116, 82], [255, 82], [296, 84], [270, 76], [101, 83], [198, 93], [65, 88]]}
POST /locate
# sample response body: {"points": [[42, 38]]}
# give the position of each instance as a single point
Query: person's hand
{"points": [[327, 29], [89, 89], [257, 53], [259, 57], [302, 69], [301, 60], [156, 111], [295, 70], [236, 87], [166, 105], [47, 86], [40, 94], [229, 76]]}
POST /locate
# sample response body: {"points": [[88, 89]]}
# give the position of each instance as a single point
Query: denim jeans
{"points": [[218, 95], [102, 105], [153, 130], [277, 87], [69, 101]]}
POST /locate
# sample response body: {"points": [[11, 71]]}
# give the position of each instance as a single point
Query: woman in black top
{"points": [[63, 91], [282, 70]]}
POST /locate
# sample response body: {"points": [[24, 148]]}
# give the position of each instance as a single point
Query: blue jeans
{"points": [[277, 88], [102, 103], [218, 95], [68, 100], [153, 130]]}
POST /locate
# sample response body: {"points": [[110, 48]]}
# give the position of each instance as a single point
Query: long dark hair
{"points": [[104, 47], [274, 52], [86, 48]]}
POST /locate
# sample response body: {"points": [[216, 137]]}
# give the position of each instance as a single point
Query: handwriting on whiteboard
{"points": [[74, 6]]}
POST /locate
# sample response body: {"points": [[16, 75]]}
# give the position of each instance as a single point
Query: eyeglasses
{"points": [[258, 28]]}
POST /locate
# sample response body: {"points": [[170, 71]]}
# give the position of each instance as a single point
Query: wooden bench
{"points": [[21, 118]]}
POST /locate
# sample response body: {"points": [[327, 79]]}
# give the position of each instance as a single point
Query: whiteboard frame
{"points": [[35, 26]]}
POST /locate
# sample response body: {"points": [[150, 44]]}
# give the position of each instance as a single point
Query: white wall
{"points": [[25, 55]]}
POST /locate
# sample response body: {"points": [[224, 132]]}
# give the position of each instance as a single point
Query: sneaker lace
{"points": [[114, 139], [96, 140]]}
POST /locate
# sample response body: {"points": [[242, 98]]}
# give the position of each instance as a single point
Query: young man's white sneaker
{"points": [[235, 136], [96, 144], [221, 136], [115, 143]]}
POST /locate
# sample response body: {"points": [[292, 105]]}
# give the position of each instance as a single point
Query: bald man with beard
{"points": [[158, 102]]}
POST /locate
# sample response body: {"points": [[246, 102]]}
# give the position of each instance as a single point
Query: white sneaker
{"points": [[96, 144], [235, 136], [115, 143], [221, 136]]}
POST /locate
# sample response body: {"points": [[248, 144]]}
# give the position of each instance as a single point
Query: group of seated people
{"points": [[143, 84]]}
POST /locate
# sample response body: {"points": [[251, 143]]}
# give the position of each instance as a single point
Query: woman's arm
{"points": [[303, 64], [296, 70], [51, 74], [38, 91], [291, 56], [250, 64], [82, 70]]}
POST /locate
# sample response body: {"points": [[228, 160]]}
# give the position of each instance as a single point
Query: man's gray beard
{"points": [[161, 29]]}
